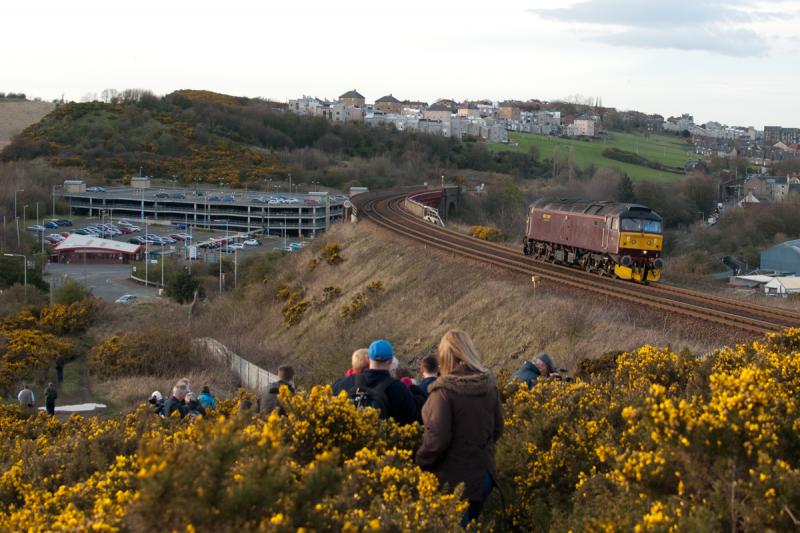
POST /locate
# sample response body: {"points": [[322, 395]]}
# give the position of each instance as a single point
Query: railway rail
{"points": [[386, 210]]}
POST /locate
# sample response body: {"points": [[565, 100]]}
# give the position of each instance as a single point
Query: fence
{"points": [[253, 377]]}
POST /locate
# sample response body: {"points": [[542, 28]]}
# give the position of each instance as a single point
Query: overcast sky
{"points": [[734, 61]]}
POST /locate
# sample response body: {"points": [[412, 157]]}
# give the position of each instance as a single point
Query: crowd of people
{"points": [[453, 395], [183, 401]]}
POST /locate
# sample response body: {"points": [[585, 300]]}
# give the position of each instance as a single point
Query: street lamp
{"points": [[15, 200], [24, 212], [24, 272]]}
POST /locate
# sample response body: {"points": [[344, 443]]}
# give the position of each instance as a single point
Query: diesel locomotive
{"points": [[608, 238]]}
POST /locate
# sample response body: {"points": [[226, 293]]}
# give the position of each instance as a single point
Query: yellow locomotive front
{"points": [[640, 246]]}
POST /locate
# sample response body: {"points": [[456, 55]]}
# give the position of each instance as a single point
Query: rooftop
{"points": [[79, 242], [388, 98], [352, 94]]}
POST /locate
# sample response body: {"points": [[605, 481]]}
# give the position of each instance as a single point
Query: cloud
{"points": [[715, 26]]}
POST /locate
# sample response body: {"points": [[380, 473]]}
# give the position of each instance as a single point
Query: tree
{"points": [[181, 286], [625, 192]]}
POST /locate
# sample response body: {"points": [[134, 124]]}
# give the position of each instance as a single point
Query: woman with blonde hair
{"points": [[463, 419]]}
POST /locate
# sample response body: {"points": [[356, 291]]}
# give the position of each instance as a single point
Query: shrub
{"points": [[331, 293], [70, 292], [357, 307], [155, 353], [67, 319], [181, 286], [332, 253], [487, 233]]}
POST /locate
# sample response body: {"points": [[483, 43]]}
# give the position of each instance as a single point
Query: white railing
{"points": [[253, 377]]}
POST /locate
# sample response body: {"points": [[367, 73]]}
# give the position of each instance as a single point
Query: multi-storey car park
{"points": [[274, 213]]}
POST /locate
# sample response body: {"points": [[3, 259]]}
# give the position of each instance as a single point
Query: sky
{"points": [[733, 61]]}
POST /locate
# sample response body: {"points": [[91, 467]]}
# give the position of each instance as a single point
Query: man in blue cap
{"points": [[376, 388]]}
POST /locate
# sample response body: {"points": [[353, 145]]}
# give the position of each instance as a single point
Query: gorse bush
{"points": [[159, 352], [31, 339], [487, 233], [648, 441]]}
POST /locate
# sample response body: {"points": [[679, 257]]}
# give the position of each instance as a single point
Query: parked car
{"points": [[124, 222], [179, 196], [136, 240], [95, 189], [38, 228], [162, 195], [186, 236], [134, 228], [54, 238], [83, 231], [63, 222], [214, 198], [296, 245], [126, 299], [288, 249], [229, 198], [177, 236], [252, 242], [65, 234], [50, 225], [236, 245]]}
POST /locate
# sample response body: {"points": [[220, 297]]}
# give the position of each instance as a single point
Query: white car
{"points": [[252, 242], [127, 299], [236, 246]]}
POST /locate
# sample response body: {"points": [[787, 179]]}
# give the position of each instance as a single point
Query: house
{"points": [[469, 110], [352, 98], [389, 104], [784, 257], [508, 111], [84, 249], [586, 126], [750, 199], [783, 286], [770, 188], [437, 111]]}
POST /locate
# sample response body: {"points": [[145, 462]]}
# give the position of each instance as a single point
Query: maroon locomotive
{"points": [[619, 239]]}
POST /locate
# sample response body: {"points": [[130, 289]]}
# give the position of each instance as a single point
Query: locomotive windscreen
{"points": [[640, 225]]}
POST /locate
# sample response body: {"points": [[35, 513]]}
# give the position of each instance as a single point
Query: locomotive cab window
{"points": [[641, 225]]}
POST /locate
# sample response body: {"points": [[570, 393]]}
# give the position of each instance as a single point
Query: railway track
{"points": [[386, 210]]}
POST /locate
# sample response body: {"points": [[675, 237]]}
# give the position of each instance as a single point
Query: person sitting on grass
{"points": [[531, 371], [157, 401], [193, 406], [207, 400], [175, 403]]}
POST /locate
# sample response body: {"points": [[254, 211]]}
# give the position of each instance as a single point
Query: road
{"points": [[105, 281]]}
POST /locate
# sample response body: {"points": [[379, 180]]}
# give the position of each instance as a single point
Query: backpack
{"points": [[375, 397]]}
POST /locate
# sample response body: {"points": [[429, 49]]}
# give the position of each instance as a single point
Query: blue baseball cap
{"points": [[380, 350]]}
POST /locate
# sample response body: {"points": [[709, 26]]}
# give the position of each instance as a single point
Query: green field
{"points": [[667, 149]]}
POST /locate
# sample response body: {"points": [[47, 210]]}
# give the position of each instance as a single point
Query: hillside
{"points": [[190, 134], [423, 294], [665, 149], [16, 115]]}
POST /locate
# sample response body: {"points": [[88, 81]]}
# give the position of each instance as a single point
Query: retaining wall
{"points": [[253, 377]]}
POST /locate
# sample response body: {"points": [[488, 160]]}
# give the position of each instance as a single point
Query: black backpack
{"points": [[375, 397]]}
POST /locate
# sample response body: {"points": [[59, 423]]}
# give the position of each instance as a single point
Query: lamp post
{"points": [[24, 215], [24, 272], [15, 200]]}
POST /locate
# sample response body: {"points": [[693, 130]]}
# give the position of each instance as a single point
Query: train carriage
{"points": [[611, 238]]}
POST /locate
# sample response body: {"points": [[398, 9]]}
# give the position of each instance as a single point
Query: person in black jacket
{"points": [[400, 403], [285, 379], [176, 402], [429, 368]]}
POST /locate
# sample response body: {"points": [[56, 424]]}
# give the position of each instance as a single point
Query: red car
{"points": [[177, 236], [125, 230]]}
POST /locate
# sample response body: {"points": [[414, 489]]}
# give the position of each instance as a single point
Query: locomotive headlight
{"points": [[633, 241], [645, 252], [650, 242], [626, 260]]}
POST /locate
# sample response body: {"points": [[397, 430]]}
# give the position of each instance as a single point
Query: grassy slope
{"points": [[16, 115], [426, 294], [667, 149]]}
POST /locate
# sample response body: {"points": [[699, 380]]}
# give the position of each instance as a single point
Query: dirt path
{"points": [[75, 389]]}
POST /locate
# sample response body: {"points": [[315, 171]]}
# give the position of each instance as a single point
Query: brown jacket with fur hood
{"points": [[463, 419]]}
